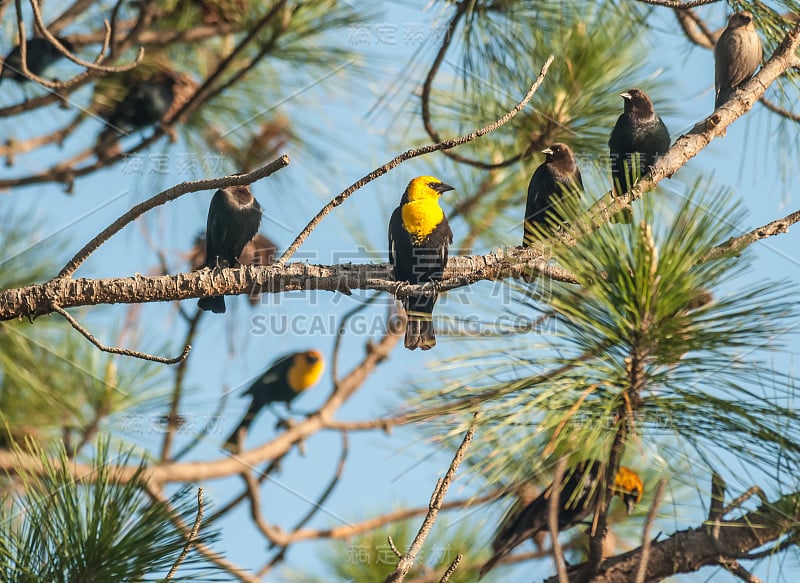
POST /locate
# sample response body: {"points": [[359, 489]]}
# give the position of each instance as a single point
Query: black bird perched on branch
{"points": [[233, 219], [637, 140], [556, 178], [419, 235], [144, 104], [40, 54], [577, 500], [737, 55], [285, 379]]}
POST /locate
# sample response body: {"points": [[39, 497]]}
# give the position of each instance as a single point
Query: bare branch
{"points": [[203, 549], [678, 4], [123, 351], [452, 568], [95, 66], [191, 538], [552, 520], [164, 197], [437, 498], [272, 533], [177, 391], [316, 506], [753, 530], [407, 155], [648, 526]]}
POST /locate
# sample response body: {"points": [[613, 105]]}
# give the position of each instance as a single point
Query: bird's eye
{"points": [[433, 185]]}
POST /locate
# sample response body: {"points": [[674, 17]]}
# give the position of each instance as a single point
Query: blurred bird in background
{"points": [[577, 500], [285, 379], [40, 54]]}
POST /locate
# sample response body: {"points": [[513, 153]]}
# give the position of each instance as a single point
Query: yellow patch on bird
{"points": [[627, 481], [306, 370], [421, 217]]}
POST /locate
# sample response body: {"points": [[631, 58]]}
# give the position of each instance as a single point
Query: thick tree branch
{"points": [[687, 551], [39, 299]]}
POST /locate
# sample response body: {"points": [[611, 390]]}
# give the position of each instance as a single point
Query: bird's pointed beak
{"points": [[441, 188], [625, 95], [547, 151]]}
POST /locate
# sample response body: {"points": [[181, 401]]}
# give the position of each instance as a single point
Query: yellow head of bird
{"points": [[425, 188], [629, 486], [306, 370]]}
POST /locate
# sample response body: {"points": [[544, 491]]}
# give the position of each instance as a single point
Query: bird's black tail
{"points": [[238, 435], [419, 329], [214, 304]]}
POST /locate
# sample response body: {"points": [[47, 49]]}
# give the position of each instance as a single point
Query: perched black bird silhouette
{"points": [[737, 55], [637, 140], [556, 178], [285, 379], [419, 235], [144, 104], [578, 499], [233, 219], [40, 54]]}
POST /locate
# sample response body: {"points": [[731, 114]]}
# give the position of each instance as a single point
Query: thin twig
{"points": [[191, 538], [775, 108], [734, 568], [393, 547], [164, 197], [123, 351], [177, 391], [678, 4], [461, 9], [452, 568], [552, 519], [337, 343], [439, 492], [272, 533], [316, 506], [641, 572], [203, 549], [407, 155], [739, 500], [40, 25]]}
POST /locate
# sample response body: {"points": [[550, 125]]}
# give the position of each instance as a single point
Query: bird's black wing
{"points": [[217, 230], [400, 249]]}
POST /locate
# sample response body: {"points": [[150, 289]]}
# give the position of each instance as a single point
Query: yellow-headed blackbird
{"points": [[284, 380], [233, 219], [637, 140], [419, 235], [630, 487], [557, 177], [736, 55], [39, 54], [578, 499]]}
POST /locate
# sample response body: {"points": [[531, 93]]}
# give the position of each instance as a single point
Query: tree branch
{"points": [[407, 155], [687, 551], [123, 351], [437, 498], [190, 538], [164, 197]]}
